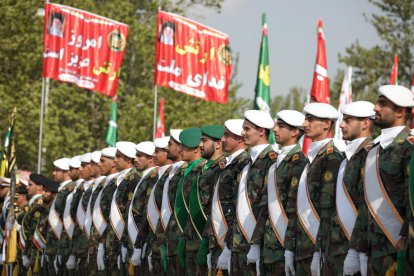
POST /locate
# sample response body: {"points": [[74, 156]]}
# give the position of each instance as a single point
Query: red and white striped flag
{"points": [[344, 98], [160, 131]]}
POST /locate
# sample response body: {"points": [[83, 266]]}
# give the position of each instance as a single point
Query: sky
{"points": [[292, 36]]}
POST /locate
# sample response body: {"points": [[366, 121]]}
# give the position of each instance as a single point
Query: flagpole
{"points": [[45, 83], [155, 111]]}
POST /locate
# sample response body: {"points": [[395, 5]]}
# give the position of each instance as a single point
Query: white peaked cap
{"points": [[146, 147], [62, 163], [175, 133], [360, 109], [5, 182], [321, 110], [126, 148], [75, 162], [235, 126], [96, 156], [292, 117], [162, 143], [109, 152], [260, 118], [397, 94], [86, 158]]}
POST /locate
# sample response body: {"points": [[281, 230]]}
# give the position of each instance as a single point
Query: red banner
{"points": [[83, 48], [192, 58], [160, 130]]}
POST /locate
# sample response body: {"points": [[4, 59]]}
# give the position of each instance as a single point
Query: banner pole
{"points": [[42, 106], [155, 111]]}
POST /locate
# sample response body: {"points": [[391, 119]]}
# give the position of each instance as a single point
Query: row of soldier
{"points": [[219, 199]]}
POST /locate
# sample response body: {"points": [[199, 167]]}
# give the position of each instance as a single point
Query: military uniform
{"points": [[337, 243], [288, 173], [227, 192], [393, 167], [257, 191]]}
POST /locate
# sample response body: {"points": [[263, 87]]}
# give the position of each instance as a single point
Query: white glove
{"points": [[100, 257], [118, 262], [315, 265], [351, 262], [150, 261], [363, 261], [71, 263], [254, 254], [224, 259], [42, 260], [209, 261], [136, 257], [258, 267], [144, 248], [289, 263], [26, 261], [59, 258], [124, 253], [55, 264]]}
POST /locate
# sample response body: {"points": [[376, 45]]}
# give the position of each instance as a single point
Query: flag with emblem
{"points": [[110, 137], [344, 98], [8, 151], [320, 83], [262, 89], [394, 71], [160, 131]]}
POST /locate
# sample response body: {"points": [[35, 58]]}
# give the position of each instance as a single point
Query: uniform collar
{"points": [[64, 184], [33, 199], [283, 152], [87, 183], [388, 135], [315, 147], [233, 156], [352, 146], [256, 151]]}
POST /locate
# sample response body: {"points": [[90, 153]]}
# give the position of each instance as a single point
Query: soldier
{"points": [[128, 178], [55, 216], [5, 195], [154, 204], [67, 260], [282, 182], [223, 206], [356, 128], [386, 177], [168, 243], [251, 194], [199, 200], [35, 208], [316, 190], [102, 207], [136, 236]]}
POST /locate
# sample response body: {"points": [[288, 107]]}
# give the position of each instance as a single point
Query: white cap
{"points": [[146, 147], [321, 110], [126, 148], [96, 156], [292, 117], [260, 118], [235, 126], [360, 109], [24, 181], [75, 162], [4, 181], [397, 94], [62, 164], [162, 143], [86, 158], [108, 152], [175, 133]]}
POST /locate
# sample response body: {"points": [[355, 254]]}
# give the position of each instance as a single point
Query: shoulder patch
{"points": [[26, 208], [410, 139], [222, 165], [40, 201], [368, 147], [272, 155], [400, 141], [130, 196], [70, 188], [295, 157], [330, 150], [327, 176], [37, 215], [294, 182]]}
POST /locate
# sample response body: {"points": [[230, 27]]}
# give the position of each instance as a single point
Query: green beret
{"points": [[190, 137], [214, 131]]}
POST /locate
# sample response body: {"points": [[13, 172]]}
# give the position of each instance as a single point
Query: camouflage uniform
{"points": [[337, 244], [257, 190], [288, 174], [393, 166], [42, 228], [204, 183], [321, 182], [19, 218], [113, 244], [174, 233]]}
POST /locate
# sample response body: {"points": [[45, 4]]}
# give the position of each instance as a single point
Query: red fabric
{"points": [[160, 131], [394, 71]]}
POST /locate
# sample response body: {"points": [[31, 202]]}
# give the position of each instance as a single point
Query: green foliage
{"points": [[76, 119]]}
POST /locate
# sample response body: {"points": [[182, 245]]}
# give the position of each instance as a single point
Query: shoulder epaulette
{"points": [[410, 139], [368, 147], [272, 155], [295, 157], [70, 188], [222, 164], [40, 201], [330, 150]]}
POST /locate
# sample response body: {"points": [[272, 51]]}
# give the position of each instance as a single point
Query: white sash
{"points": [[54, 221], [80, 211], [245, 216], [277, 214], [166, 209], [307, 214], [88, 218], [345, 208], [67, 218], [153, 213], [378, 201], [217, 217]]}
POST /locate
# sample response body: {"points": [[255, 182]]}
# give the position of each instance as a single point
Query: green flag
{"points": [[262, 90], [8, 152], [110, 137]]}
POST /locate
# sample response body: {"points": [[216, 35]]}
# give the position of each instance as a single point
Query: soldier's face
{"points": [[142, 161], [187, 154], [251, 133], [122, 162], [230, 141], [283, 132], [385, 114], [315, 128], [74, 173], [32, 188], [160, 157], [207, 147], [351, 128], [106, 165], [58, 175], [85, 171], [95, 169], [173, 149], [4, 191], [21, 200]]}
